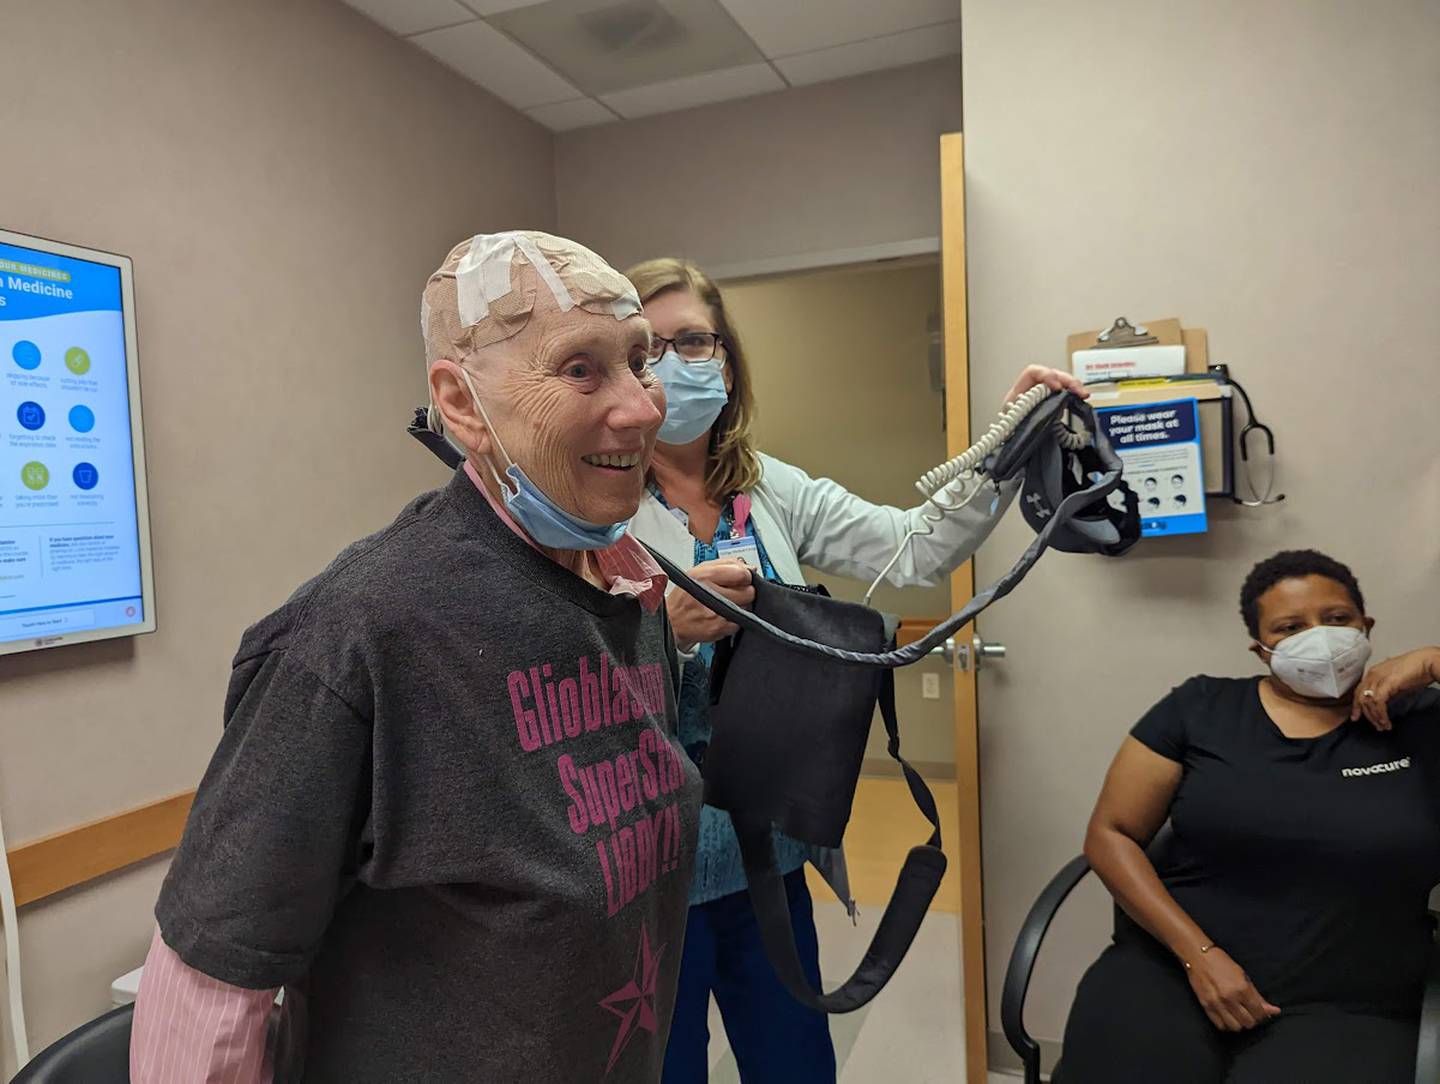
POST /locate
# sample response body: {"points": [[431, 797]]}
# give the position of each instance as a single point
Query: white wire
{"points": [[966, 464], [967, 461], [12, 956], [924, 528]]}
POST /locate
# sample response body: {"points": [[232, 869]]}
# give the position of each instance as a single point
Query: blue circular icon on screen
{"points": [[82, 419], [85, 475], [26, 354], [31, 416]]}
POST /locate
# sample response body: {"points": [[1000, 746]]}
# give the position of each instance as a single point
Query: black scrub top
{"points": [[1309, 860]]}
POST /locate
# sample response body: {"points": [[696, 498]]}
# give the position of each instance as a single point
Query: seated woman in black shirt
{"points": [[1283, 933]]}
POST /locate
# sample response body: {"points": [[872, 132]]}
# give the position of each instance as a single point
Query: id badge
{"points": [[743, 548]]}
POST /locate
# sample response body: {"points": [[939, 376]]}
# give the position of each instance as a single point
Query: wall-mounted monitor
{"points": [[74, 521]]}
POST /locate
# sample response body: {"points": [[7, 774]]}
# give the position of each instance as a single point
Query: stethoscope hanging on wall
{"points": [[1259, 496]]}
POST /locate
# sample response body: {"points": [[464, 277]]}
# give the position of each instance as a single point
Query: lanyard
{"points": [[739, 514]]}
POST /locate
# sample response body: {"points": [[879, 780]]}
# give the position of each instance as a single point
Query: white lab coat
{"points": [[813, 521], [817, 522]]}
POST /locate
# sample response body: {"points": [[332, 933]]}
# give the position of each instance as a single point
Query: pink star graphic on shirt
{"points": [[634, 1003]]}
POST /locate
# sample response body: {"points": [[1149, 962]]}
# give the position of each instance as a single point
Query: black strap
{"points": [[721, 606], [914, 889], [718, 604], [420, 429]]}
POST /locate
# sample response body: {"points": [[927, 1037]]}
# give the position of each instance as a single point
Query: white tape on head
{"points": [[622, 308], [484, 274], [546, 272], [491, 303]]}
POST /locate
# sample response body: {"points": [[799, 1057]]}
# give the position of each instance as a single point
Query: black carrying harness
{"points": [[795, 690], [792, 761]]}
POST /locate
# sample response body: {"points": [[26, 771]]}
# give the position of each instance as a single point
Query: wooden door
{"points": [[962, 587]]}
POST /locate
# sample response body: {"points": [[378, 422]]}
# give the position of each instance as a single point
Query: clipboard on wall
{"points": [[1166, 332]]}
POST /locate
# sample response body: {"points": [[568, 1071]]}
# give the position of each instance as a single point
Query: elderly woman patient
{"points": [[449, 815], [1282, 933]]}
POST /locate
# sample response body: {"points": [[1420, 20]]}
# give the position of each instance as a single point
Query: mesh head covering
{"points": [[482, 293]]}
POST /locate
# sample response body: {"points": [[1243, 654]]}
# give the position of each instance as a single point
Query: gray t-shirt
{"points": [[449, 815]]}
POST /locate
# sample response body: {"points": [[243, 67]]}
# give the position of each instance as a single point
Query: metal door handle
{"points": [[985, 650], [970, 655]]}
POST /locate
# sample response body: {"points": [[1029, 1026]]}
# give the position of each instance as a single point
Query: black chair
{"points": [[1037, 922], [94, 1053]]}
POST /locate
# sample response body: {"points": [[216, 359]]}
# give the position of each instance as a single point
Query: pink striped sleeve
{"points": [[632, 571], [193, 1029]]}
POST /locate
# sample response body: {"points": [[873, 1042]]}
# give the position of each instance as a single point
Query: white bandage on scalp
{"points": [[481, 295]]}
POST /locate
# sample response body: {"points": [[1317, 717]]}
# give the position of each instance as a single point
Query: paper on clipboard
{"points": [[1166, 332], [1127, 351]]}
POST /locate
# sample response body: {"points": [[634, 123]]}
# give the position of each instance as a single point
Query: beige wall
{"points": [[1268, 171], [285, 176], [837, 166], [840, 369]]}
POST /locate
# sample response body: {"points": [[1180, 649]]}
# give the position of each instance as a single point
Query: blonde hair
{"points": [[734, 466]]}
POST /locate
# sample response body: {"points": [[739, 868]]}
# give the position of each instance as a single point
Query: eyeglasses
{"points": [[693, 347]]}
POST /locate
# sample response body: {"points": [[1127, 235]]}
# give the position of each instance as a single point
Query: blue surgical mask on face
{"points": [[538, 516], [694, 395]]}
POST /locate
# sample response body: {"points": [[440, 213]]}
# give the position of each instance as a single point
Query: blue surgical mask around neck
{"points": [[529, 506], [694, 397]]}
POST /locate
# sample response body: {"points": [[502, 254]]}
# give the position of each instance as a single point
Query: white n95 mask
{"points": [[1324, 662]]}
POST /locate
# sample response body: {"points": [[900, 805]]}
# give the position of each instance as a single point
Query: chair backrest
{"points": [[1042, 912], [94, 1053], [1027, 949]]}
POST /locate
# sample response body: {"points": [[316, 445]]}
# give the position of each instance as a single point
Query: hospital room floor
{"points": [[913, 1032]]}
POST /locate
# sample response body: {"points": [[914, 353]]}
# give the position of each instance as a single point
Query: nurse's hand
{"points": [[1402, 674], [1053, 379], [692, 622], [1226, 993]]}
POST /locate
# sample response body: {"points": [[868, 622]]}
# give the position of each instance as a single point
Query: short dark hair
{"points": [[1291, 565]]}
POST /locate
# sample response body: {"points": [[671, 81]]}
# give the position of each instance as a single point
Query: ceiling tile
{"points": [[495, 7], [694, 90], [562, 116], [603, 46], [413, 16], [483, 54], [784, 27], [876, 54]]}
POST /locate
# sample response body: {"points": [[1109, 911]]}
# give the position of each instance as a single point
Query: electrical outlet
{"points": [[930, 686]]}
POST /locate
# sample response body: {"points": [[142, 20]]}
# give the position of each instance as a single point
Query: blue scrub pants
{"points": [[776, 1040]]}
